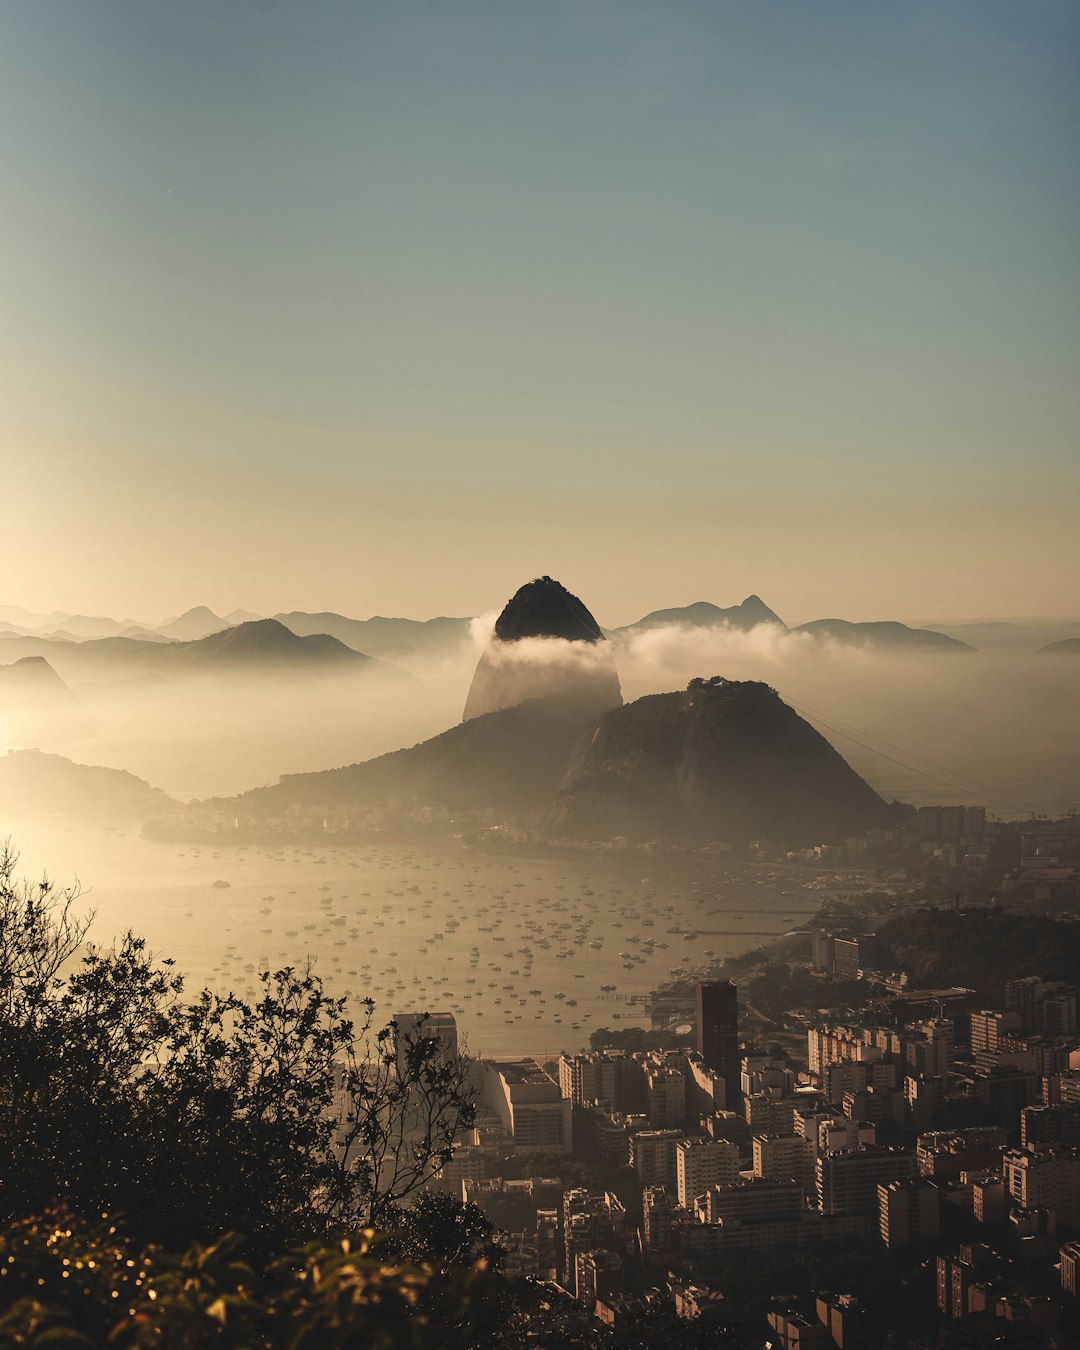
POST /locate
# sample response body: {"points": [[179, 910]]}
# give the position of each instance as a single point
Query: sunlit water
{"points": [[519, 948]]}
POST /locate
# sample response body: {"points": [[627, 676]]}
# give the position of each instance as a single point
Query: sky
{"points": [[387, 308]]}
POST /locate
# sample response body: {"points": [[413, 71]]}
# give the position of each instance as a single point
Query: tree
{"points": [[279, 1117], [437, 1230], [406, 1099]]}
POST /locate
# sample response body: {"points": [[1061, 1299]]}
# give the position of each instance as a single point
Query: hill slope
{"points": [[264, 644], [512, 759], [982, 949], [33, 782], [193, 624], [389, 636], [886, 634], [32, 680], [722, 760], [1066, 647], [702, 614]]}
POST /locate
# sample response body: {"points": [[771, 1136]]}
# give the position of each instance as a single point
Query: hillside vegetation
{"points": [[981, 950]]}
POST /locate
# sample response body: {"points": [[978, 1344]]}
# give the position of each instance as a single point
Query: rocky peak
{"points": [[545, 608]]}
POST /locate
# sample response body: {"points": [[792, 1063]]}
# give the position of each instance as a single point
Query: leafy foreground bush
{"points": [[64, 1286]]}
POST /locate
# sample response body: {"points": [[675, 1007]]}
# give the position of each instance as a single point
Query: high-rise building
{"points": [[784, 1158], [989, 1026], [1050, 1180], [924, 1100], [840, 1135], [1070, 1268], [652, 1156], [531, 1109], [908, 1212], [701, 1163], [660, 1217], [1023, 997], [988, 1202], [769, 1114], [718, 1034], [611, 1079], [1050, 1126], [752, 1200], [793, 1331], [847, 1182], [591, 1220], [598, 1275], [665, 1095]]}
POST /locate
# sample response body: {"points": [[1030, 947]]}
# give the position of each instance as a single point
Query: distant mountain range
{"points": [[1000, 635], [753, 611], [392, 638], [260, 647], [890, 635], [389, 637], [704, 614]]}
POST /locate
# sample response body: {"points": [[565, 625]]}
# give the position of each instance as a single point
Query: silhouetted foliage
{"points": [[442, 1232], [279, 1117], [980, 949], [65, 1285]]}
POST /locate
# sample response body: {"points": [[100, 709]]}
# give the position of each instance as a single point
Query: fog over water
{"points": [[1002, 728]]}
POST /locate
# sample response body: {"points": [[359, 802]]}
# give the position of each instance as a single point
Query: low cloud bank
{"points": [[994, 726]]}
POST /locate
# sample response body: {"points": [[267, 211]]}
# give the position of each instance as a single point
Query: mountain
{"points": [[242, 616], [1002, 635], [79, 626], [31, 619], [144, 634], [32, 782], [264, 647], [32, 680], [703, 614], [193, 624], [1066, 647], [891, 635], [95, 658], [722, 760], [544, 608], [513, 760], [391, 637], [545, 643]]}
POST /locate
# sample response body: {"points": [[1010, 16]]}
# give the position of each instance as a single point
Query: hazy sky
{"points": [[389, 307]]}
